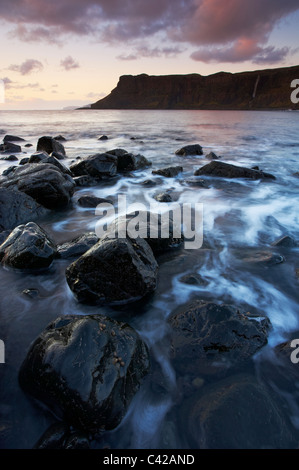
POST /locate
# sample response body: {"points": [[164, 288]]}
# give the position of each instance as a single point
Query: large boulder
{"points": [[99, 166], [169, 172], [27, 247], [114, 271], [194, 149], [13, 138], [49, 145], [43, 182], [18, 208], [208, 338], [130, 162], [86, 369], [9, 147], [226, 170], [78, 246], [238, 412], [42, 157]]}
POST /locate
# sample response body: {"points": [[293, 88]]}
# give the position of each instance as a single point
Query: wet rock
{"points": [[99, 166], [238, 412], [86, 369], [8, 147], [114, 271], [149, 183], [62, 436], [13, 138], [169, 172], [17, 208], [163, 197], [78, 246], [285, 242], [60, 138], [189, 150], [92, 201], [208, 338], [42, 157], [38, 157], [49, 145], [117, 152], [28, 145], [129, 162], [226, 170], [161, 233], [193, 280], [85, 180], [199, 183], [211, 156], [43, 182], [266, 258], [24, 160], [57, 155], [9, 158], [27, 247], [103, 137], [9, 170], [255, 168]]}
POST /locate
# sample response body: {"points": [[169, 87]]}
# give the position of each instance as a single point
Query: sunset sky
{"points": [[71, 52]]}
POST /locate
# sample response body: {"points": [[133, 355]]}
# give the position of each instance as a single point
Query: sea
{"points": [[241, 220]]}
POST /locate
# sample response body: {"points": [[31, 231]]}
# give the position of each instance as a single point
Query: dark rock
{"points": [[9, 158], [28, 145], [255, 168], [9, 170], [49, 145], [60, 137], [149, 183], [38, 157], [211, 156], [208, 338], [92, 201], [129, 162], [84, 180], [200, 183], [154, 226], [103, 137], [266, 258], [114, 271], [4, 234], [57, 155], [238, 412], [27, 247], [226, 170], [61, 436], [8, 147], [31, 293], [163, 197], [86, 369], [17, 208], [41, 157], [285, 241], [13, 138], [117, 152], [195, 149], [169, 172], [193, 280], [24, 160], [99, 166], [43, 182], [78, 246]]}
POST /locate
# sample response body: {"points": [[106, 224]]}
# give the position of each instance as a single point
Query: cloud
{"points": [[95, 95], [27, 67], [69, 63], [236, 30], [145, 51]]}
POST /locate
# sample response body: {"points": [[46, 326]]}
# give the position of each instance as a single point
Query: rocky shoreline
{"points": [[87, 369]]}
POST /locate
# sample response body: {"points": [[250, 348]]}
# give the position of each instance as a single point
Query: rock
{"points": [[211, 156], [255, 168], [78, 246], [129, 162], [38, 157], [92, 201], [60, 138], [28, 145], [266, 258], [238, 412], [86, 369], [163, 197], [155, 227], [24, 160], [103, 137], [84, 180], [49, 145], [193, 280], [57, 155], [17, 208], [8, 147], [208, 338], [43, 182], [9, 170], [9, 158], [226, 170], [286, 242], [13, 138], [117, 152], [61, 436], [4, 234], [190, 150], [149, 183], [114, 271], [44, 158], [31, 293], [27, 247], [99, 166], [200, 183], [169, 172]]}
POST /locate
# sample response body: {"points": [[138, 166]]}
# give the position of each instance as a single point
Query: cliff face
{"points": [[261, 89]]}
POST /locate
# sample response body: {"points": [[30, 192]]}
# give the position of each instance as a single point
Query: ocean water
{"points": [[240, 219]]}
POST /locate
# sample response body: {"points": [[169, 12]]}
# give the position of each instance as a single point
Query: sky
{"points": [[56, 54]]}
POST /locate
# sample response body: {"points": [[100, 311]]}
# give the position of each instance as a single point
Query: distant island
{"points": [[257, 90]]}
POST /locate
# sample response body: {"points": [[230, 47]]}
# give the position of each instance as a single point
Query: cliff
{"points": [[257, 90]]}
